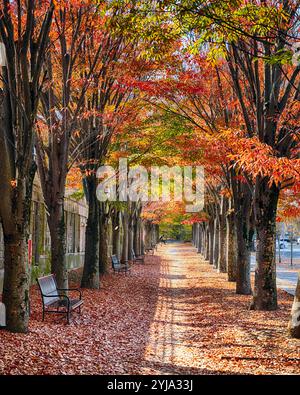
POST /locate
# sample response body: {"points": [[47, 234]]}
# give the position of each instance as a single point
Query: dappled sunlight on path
{"points": [[202, 327]]}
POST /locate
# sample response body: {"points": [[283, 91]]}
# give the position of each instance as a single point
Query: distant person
{"points": [[162, 239]]}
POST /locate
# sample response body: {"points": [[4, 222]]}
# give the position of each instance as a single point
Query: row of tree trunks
{"points": [[126, 235], [216, 240]]}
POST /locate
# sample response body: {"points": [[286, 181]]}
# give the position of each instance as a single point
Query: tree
{"points": [[74, 55], [24, 31], [254, 39]]}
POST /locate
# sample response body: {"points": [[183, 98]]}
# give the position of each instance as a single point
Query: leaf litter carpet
{"points": [[173, 315]]}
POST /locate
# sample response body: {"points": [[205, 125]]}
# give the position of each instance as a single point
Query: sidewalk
{"points": [[201, 326]]}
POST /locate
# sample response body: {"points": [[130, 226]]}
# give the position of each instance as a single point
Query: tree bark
{"points": [[136, 235], [243, 280], [130, 236], [141, 237], [90, 277], [216, 241], [211, 241], [124, 258], [294, 324], [231, 247], [222, 263], [116, 234], [265, 290], [103, 240], [193, 234], [200, 239], [207, 242], [147, 234], [16, 283], [242, 202], [36, 235], [56, 223]]}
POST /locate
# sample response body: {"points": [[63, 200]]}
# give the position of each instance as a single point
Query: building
{"points": [[75, 217]]}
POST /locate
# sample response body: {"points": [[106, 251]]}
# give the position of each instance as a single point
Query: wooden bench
{"points": [[119, 267], [135, 258], [54, 300]]}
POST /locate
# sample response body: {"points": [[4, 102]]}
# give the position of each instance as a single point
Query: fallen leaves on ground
{"points": [[173, 315]]}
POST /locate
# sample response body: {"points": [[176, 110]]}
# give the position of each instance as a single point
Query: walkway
{"points": [[201, 326], [173, 315]]}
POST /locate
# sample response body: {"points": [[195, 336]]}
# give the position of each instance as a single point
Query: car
{"points": [[298, 240]]}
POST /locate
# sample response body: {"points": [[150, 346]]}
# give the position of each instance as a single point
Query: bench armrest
{"points": [[71, 289], [58, 295]]}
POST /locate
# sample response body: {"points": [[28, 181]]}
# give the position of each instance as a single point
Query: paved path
{"points": [[201, 326]]}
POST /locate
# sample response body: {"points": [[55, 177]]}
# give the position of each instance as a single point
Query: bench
{"points": [[54, 300], [119, 267], [135, 258]]}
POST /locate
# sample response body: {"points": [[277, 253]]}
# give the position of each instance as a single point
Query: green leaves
{"points": [[145, 22]]}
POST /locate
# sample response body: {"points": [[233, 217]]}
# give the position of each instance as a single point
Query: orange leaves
{"points": [[258, 159]]}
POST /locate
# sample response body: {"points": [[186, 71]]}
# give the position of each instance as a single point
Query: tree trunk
{"points": [[294, 324], [16, 282], [207, 242], [243, 280], [136, 234], [211, 241], [147, 234], [36, 235], [130, 237], [141, 237], [222, 263], [124, 258], [193, 234], [156, 233], [231, 247], [242, 200], [16, 269], [90, 277], [116, 242], [265, 291], [196, 235], [200, 239], [56, 223], [103, 243], [216, 241]]}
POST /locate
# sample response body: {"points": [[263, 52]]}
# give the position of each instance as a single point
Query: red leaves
{"points": [[108, 338], [176, 316]]}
